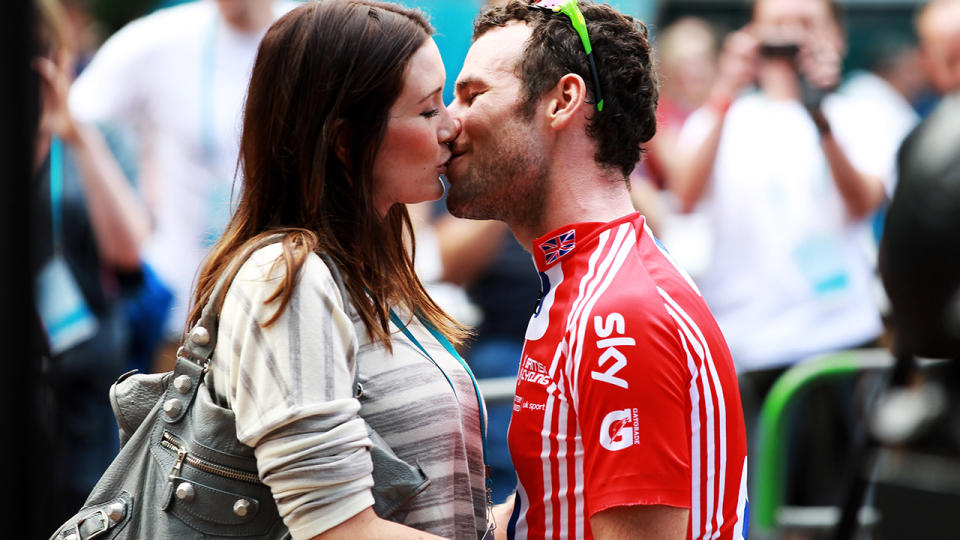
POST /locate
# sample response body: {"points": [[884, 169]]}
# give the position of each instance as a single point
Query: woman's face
{"points": [[414, 152]]}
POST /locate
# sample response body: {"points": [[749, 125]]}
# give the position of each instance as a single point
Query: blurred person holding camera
{"points": [[88, 229], [788, 175]]}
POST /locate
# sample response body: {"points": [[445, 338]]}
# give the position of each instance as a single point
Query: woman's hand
{"points": [[737, 65], [367, 524], [501, 517], [55, 93], [819, 62]]}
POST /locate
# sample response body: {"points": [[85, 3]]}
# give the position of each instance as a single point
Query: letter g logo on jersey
{"points": [[616, 430]]}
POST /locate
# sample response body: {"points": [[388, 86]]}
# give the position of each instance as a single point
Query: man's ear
{"points": [[565, 100]]}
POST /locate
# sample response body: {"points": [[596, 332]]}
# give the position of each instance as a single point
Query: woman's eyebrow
{"points": [[431, 94]]}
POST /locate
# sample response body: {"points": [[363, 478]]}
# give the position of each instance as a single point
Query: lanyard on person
{"points": [[56, 192], [67, 318], [442, 339], [207, 92]]}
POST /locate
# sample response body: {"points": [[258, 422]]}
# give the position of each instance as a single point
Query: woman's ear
{"points": [[565, 100], [338, 138]]}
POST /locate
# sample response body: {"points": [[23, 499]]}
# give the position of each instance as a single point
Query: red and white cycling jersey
{"points": [[626, 393]]}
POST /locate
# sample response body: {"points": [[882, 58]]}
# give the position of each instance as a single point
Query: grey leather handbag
{"points": [[181, 472]]}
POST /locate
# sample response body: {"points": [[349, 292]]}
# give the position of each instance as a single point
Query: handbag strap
{"points": [[202, 339], [345, 296], [196, 352]]}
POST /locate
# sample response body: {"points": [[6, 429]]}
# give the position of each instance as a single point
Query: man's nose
{"points": [[450, 129], [456, 110]]}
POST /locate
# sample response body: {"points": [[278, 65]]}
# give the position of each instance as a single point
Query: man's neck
{"points": [[778, 79], [577, 192]]}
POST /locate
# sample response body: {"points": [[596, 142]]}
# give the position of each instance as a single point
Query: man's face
{"points": [[498, 169], [238, 13], [796, 21], [939, 29]]}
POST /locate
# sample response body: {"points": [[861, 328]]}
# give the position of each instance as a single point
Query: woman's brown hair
{"points": [[325, 78]]}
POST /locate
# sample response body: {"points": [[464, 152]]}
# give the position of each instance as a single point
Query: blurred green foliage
{"points": [[113, 14]]}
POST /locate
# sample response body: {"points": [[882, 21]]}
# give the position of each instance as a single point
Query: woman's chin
{"points": [[441, 190]]}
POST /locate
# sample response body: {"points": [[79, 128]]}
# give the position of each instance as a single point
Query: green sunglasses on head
{"points": [[571, 8]]}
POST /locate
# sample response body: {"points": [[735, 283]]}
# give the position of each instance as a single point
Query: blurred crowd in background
{"points": [[768, 179]]}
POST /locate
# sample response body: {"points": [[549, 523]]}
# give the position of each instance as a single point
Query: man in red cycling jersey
{"points": [[627, 420]]}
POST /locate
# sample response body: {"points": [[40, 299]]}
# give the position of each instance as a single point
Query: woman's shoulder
{"points": [[266, 269]]}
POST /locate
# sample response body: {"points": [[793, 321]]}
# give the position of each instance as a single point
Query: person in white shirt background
{"points": [[177, 78]]}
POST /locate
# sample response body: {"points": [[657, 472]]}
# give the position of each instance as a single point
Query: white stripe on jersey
{"points": [[546, 448], [721, 405], [563, 351], [588, 289], [741, 505], [521, 530], [694, 439], [709, 414], [562, 443], [703, 349], [615, 257], [578, 531], [620, 255]]}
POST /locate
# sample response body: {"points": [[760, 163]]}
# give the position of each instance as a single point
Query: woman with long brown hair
{"points": [[344, 124]]}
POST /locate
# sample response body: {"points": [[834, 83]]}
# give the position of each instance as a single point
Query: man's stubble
{"points": [[507, 182]]}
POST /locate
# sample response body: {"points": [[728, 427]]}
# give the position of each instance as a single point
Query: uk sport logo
{"points": [[558, 246], [620, 429]]}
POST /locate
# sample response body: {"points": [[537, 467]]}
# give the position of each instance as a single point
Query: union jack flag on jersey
{"points": [[558, 246]]}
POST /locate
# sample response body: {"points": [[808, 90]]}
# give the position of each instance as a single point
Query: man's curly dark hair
{"points": [[622, 51]]}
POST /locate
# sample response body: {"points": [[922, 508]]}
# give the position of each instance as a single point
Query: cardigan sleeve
{"points": [[290, 387]]}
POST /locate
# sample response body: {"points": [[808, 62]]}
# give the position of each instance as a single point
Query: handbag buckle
{"points": [[94, 529]]}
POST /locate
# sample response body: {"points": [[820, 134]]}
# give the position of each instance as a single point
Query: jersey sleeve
{"points": [[633, 409]]}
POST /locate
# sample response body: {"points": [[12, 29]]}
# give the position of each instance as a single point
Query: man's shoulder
{"points": [[636, 291], [282, 8], [167, 25], [188, 11], [265, 269]]}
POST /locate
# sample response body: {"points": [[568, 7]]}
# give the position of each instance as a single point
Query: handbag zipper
{"points": [[171, 443]]}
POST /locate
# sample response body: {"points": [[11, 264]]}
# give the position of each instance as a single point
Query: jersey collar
{"points": [[561, 242]]}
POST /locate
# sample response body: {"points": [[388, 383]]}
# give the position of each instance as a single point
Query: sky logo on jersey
{"points": [[558, 246], [620, 429]]}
